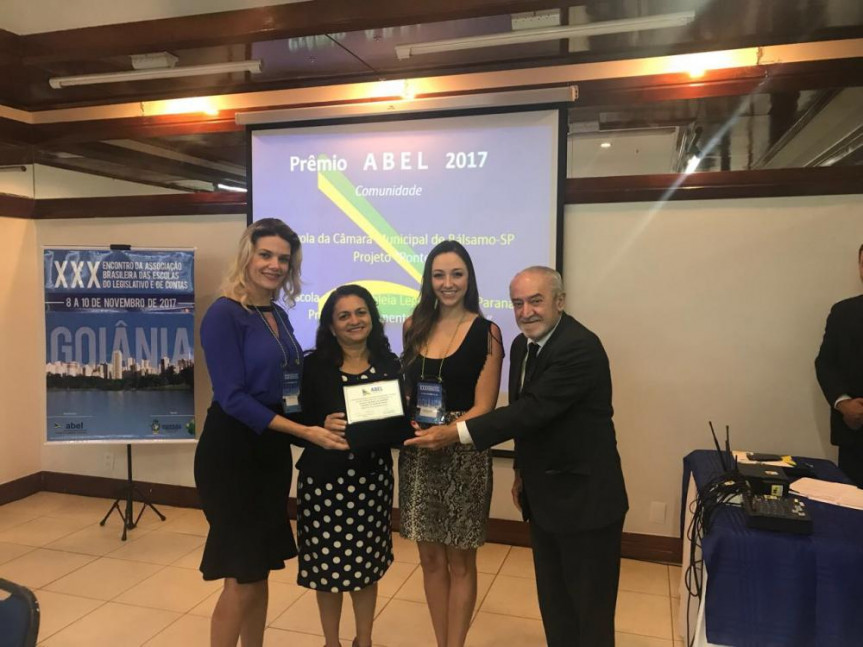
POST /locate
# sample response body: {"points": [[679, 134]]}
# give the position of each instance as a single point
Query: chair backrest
{"points": [[19, 615]]}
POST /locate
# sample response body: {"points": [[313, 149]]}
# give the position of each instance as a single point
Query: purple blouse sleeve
{"points": [[222, 339]]}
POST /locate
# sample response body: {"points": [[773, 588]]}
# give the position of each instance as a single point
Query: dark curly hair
{"points": [[327, 346], [425, 313]]}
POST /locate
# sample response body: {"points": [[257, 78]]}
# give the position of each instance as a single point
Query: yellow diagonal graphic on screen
{"points": [[342, 192]]}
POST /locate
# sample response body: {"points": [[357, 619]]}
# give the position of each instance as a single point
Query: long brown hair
{"points": [[235, 285], [426, 313]]}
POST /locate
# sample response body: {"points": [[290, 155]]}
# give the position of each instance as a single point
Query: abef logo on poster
{"points": [[119, 342]]}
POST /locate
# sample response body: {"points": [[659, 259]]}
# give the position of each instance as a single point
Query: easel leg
{"points": [[114, 506], [127, 494]]}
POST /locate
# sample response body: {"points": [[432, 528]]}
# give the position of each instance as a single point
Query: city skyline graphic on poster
{"points": [[119, 345]]}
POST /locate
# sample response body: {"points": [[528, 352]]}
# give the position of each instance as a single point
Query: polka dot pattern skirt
{"points": [[343, 529]]}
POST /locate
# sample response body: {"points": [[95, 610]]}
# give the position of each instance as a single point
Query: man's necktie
{"points": [[532, 350]]}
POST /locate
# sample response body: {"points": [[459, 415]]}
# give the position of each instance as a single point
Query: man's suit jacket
{"points": [[564, 438], [839, 365]]}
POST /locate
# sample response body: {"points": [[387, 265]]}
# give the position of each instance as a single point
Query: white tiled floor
{"points": [[95, 590]]}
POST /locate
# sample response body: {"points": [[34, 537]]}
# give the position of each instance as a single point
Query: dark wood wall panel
{"points": [[770, 183], [13, 206], [20, 488], [183, 204], [13, 77], [98, 486], [15, 132]]}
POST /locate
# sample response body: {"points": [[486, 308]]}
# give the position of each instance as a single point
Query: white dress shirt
{"points": [[463, 434]]}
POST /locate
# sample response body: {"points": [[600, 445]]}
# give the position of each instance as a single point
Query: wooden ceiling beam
{"points": [[10, 48], [14, 78], [16, 155], [266, 23], [15, 132]]}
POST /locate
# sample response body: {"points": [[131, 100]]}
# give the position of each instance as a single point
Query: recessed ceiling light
{"points": [[605, 145], [231, 187]]}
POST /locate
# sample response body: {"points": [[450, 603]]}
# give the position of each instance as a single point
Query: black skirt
{"points": [[243, 479]]}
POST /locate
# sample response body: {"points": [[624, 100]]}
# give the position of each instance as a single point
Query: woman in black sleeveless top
{"points": [[445, 495]]}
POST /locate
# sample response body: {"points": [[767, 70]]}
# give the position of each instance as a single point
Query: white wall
{"points": [[710, 310], [17, 180], [21, 393]]}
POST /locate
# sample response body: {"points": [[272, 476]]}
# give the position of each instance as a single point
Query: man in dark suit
{"points": [[568, 480], [839, 367]]}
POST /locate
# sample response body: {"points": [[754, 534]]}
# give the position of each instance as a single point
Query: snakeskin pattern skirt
{"points": [[445, 495]]}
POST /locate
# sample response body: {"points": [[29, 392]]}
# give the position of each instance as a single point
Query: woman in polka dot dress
{"points": [[344, 499]]}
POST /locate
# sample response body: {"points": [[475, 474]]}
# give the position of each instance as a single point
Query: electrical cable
{"points": [[717, 492]]}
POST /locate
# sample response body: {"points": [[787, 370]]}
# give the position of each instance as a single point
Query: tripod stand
{"points": [[127, 493]]}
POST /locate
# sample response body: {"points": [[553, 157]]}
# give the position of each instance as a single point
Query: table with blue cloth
{"points": [[778, 589]]}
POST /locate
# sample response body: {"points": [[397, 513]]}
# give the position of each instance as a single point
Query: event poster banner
{"points": [[119, 345]]}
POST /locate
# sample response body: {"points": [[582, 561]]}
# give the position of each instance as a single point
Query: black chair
{"points": [[19, 615]]}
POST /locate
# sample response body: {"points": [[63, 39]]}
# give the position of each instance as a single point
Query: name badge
{"points": [[291, 392], [431, 403]]}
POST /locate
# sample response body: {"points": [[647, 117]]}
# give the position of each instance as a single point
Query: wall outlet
{"points": [[108, 461], [658, 510]]}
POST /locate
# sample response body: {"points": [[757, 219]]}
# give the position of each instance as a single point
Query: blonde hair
{"points": [[235, 285]]}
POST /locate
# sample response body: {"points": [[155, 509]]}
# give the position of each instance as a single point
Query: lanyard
{"points": [[278, 318], [445, 353]]}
